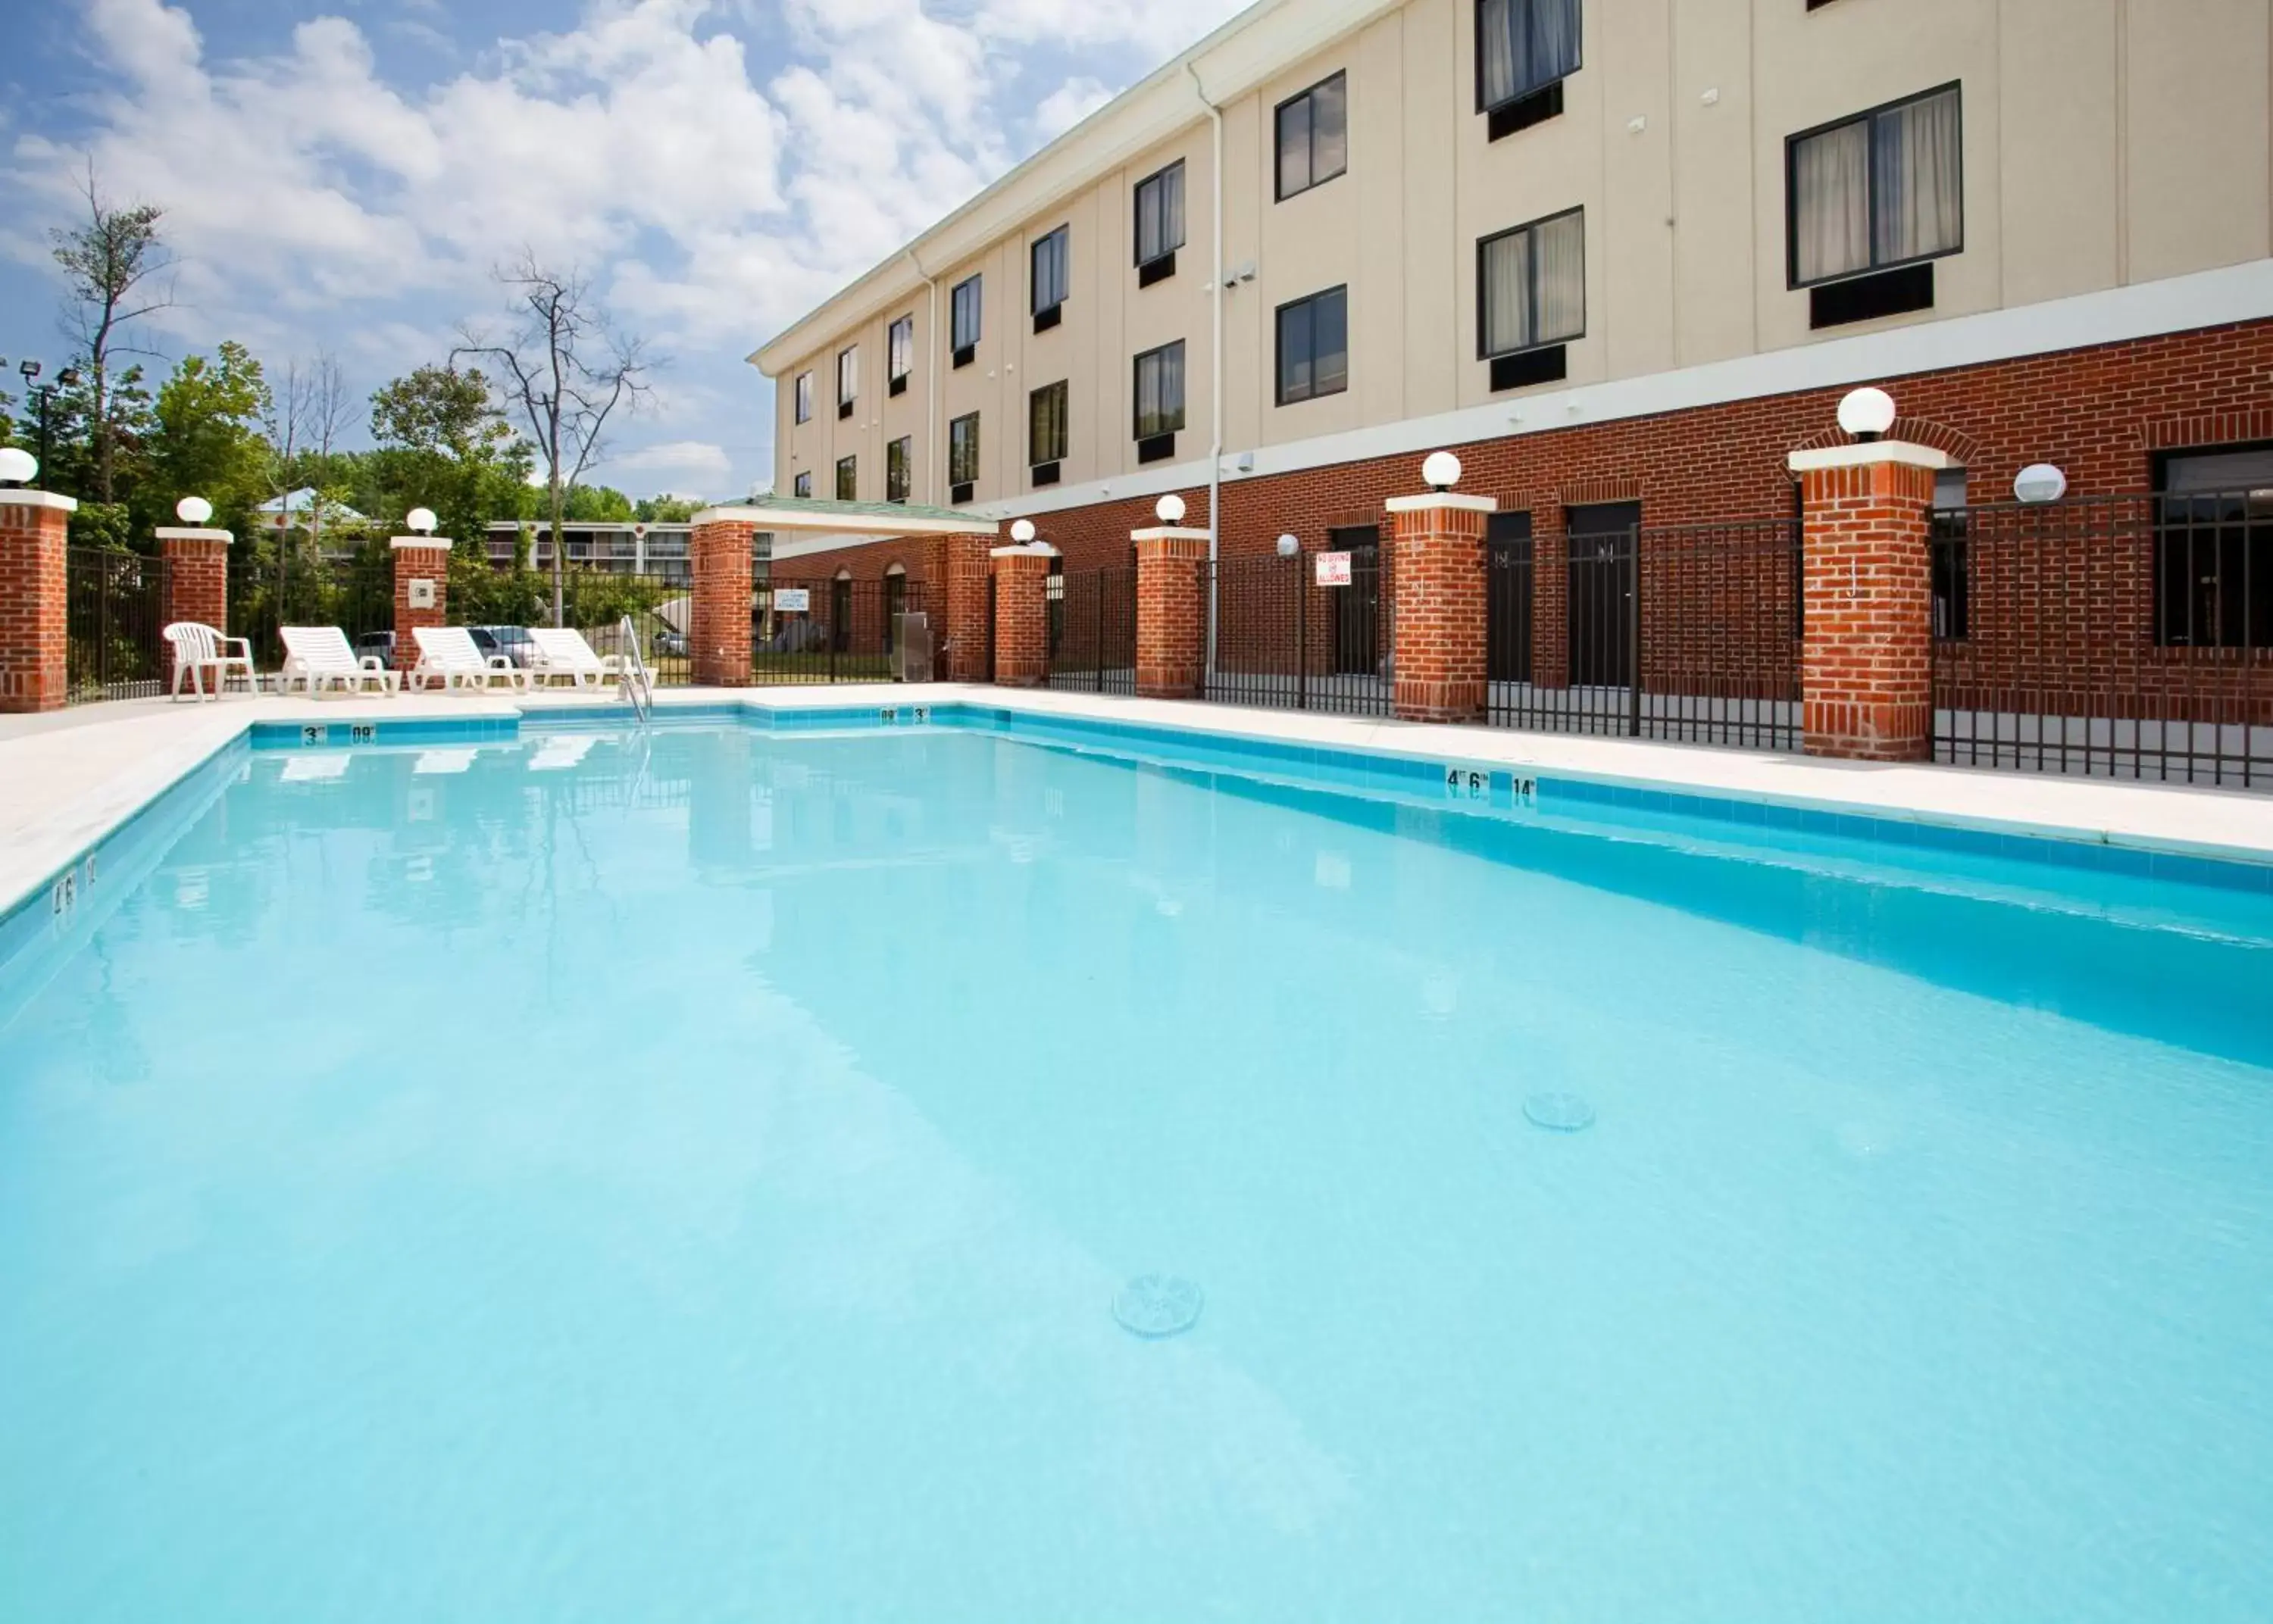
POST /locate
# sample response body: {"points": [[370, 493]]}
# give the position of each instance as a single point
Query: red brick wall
{"points": [[33, 653], [718, 620], [196, 585], [961, 640], [1170, 617], [419, 564], [1438, 619], [1864, 671], [1022, 620]]}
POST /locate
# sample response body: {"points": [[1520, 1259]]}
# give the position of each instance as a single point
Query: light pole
{"points": [[40, 395]]}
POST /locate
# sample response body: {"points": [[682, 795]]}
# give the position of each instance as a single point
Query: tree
{"points": [[208, 438], [667, 510], [444, 444], [109, 263], [562, 370]]}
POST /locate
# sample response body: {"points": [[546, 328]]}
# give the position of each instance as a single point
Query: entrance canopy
{"points": [[809, 524]]}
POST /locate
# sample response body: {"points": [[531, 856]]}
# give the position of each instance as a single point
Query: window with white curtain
{"points": [[1523, 46], [1160, 213], [804, 397], [1052, 269], [963, 309], [848, 377], [1882, 189], [900, 349], [1531, 285], [1160, 391], [1313, 135]]}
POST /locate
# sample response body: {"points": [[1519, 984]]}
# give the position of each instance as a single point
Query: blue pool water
{"points": [[696, 1178]]}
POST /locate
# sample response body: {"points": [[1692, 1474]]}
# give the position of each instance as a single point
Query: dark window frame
{"points": [[965, 348], [1168, 254], [848, 465], [1135, 392], [2234, 538], [1063, 236], [957, 472], [1484, 352], [1278, 347], [900, 353], [800, 485], [1036, 453], [1278, 175], [1868, 116], [800, 395], [905, 447], [1524, 92]]}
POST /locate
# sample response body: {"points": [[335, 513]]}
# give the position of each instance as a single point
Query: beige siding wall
{"points": [[2106, 142]]}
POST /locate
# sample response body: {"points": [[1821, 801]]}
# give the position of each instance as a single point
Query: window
{"points": [[900, 354], [1052, 271], [1313, 345], [964, 310], [1883, 188], [1160, 391], [1046, 423], [804, 397], [1523, 47], [1313, 135], [963, 455], [848, 381], [898, 454], [2213, 549], [848, 479], [1159, 223], [1946, 543], [802, 485], [1531, 289]]}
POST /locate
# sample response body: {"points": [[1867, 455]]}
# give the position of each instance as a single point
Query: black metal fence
{"points": [[831, 630], [354, 593], [114, 622], [660, 607], [1286, 639], [2123, 637], [1092, 617], [1686, 633]]}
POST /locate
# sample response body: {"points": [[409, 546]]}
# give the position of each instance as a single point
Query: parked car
{"points": [[668, 645], [513, 642], [378, 643]]}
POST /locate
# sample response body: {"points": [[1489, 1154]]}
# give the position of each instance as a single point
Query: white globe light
{"points": [[421, 519], [1866, 412], [1440, 470], [17, 467], [193, 510], [1170, 508], [1288, 546], [1022, 531], [2039, 482]]}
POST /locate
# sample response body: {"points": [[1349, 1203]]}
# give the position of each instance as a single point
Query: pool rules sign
{"points": [[1333, 569]]}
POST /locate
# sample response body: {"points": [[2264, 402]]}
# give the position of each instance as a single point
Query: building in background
{"points": [[620, 549]]}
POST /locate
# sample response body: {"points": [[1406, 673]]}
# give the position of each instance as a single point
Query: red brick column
{"points": [[968, 566], [1437, 573], [197, 580], [1022, 615], [718, 623], [34, 667], [421, 592], [1171, 612], [1866, 661]]}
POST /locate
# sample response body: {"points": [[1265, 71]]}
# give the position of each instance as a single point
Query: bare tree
{"points": [[109, 262], [284, 423], [564, 370], [328, 406]]}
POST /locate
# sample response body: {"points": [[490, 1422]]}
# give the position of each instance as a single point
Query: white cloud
{"points": [[699, 458], [1067, 105]]}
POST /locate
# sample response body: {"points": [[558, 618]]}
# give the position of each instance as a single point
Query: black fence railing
{"points": [[1309, 631], [2122, 636], [114, 622], [1686, 633], [1092, 615], [831, 630], [660, 608], [355, 594]]}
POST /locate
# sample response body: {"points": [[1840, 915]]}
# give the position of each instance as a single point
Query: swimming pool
{"points": [[603, 1175]]}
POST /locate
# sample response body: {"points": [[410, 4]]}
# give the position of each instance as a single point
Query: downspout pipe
{"points": [[1215, 356], [931, 453]]}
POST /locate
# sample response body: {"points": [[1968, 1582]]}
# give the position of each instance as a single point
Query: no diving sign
{"points": [[1333, 569]]}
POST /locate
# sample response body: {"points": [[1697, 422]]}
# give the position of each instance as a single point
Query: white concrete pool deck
{"points": [[68, 779]]}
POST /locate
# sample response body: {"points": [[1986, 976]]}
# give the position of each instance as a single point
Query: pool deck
{"points": [[68, 778]]}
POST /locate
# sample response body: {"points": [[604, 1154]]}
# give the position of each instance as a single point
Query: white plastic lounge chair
{"points": [[318, 660], [315, 767], [564, 657], [204, 659], [456, 758], [448, 656], [561, 751]]}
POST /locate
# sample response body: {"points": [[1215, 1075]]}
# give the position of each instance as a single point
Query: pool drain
{"points": [[1155, 1306], [1565, 1113]]}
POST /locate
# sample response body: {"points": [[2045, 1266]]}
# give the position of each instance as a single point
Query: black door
{"points": [[840, 616], [1357, 607], [1507, 597], [1602, 538]]}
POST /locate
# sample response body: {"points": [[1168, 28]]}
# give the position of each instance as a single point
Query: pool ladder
{"points": [[634, 681]]}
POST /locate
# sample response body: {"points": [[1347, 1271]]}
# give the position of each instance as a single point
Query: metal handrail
{"points": [[634, 681]]}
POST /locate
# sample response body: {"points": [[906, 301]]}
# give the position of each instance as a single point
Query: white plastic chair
{"points": [[563, 655], [449, 656], [318, 660], [199, 650]]}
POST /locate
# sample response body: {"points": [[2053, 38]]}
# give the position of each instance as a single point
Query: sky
{"points": [[343, 176]]}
